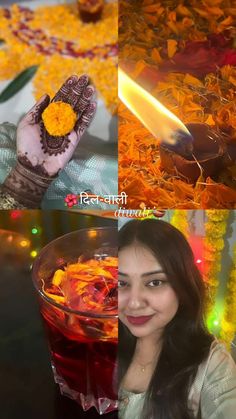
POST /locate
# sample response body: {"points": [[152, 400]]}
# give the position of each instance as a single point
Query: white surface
{"points": [[14, 108]]}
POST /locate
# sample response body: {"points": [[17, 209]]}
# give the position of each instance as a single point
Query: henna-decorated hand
{"points": [[40, 156], [46, 154]]}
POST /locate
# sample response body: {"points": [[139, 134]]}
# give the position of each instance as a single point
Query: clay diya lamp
{"points": [[90, 10], [209, 155], [185, 151]]}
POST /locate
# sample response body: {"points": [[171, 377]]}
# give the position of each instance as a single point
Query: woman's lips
{"points": [[138, 320]]}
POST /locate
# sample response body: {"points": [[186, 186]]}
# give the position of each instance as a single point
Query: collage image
{"points": [[117, 209]]}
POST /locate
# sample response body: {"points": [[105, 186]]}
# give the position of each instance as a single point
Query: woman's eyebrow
{"points": [[121, 273], [160, 271]]}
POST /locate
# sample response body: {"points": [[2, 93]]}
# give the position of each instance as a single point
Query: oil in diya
{"points": [[90, 10], [76, 278]]}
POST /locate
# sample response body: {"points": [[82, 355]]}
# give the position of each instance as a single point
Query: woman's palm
{"points": [[47, 154]]}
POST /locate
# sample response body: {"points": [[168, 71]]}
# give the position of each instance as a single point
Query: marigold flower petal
{"points": [[59, 118]]}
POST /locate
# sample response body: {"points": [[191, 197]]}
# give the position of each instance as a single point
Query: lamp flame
{"points": [[161, 122]]}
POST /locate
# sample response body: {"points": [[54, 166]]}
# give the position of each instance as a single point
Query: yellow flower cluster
{"points": [[85, 36], [219, 230], [215, 229], [228, 326], [60, 49], [59, 118], [174, 20], [55, 70], [182, 93], [180, 221], [151, 33]]}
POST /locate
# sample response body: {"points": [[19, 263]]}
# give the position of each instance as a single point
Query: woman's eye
{"points": [[156, 283], [121, 284]]}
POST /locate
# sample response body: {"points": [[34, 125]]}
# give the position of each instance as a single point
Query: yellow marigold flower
{"points": [[59, 118], [44, 26]]}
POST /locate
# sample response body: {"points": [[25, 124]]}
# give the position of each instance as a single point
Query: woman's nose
{"points": [[135, 299]]}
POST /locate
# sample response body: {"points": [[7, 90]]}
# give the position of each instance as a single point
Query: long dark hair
{"points": [[186, 341]]}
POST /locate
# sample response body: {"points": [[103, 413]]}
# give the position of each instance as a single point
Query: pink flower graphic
{"points": [[71, 200]]}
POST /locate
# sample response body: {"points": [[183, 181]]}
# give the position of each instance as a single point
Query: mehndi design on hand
{"points": [[53, 145], [84, 122], [69, 113], [36, 113], [40, 156], [78, 95]]}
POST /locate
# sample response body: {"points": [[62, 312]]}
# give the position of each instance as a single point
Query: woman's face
{"points": [[147, 302]]}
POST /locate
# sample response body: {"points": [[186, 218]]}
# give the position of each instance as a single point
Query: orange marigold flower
{"points": [[59, 118]]}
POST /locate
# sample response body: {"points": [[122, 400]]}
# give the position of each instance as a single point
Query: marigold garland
{"points": [[180, 221], [213, 245], [59, 118], [228, 325], [39, 38]]}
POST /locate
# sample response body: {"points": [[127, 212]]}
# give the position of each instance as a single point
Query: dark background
{"points": [[27, 388]]}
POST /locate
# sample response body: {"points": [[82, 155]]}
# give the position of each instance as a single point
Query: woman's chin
{"points": [[139, 331]]}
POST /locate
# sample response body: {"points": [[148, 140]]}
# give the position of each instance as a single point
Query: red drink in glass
{"points": [[78, 302]]}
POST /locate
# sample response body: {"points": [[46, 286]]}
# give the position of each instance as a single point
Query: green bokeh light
{"points": [[35, 230], [214, 319]]}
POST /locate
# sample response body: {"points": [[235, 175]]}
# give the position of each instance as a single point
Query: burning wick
{"points": [[162, 123]]}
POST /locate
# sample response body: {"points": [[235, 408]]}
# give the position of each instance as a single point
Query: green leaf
{"points": [[18, 83]]}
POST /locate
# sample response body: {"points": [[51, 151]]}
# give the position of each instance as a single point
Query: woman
{"points": [[170, 367], [40, 156]]}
